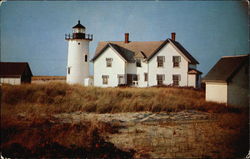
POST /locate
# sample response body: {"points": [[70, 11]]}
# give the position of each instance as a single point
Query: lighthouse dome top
{"points": [[79, 33], [79, 25]]}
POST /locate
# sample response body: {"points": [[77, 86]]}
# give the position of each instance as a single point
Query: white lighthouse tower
{"points": [[78, 53]]}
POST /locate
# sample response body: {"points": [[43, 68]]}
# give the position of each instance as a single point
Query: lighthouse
{"points": [[78, 54]]}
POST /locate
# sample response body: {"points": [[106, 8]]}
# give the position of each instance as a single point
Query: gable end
{"points": [[109, 45], [179, 48]]}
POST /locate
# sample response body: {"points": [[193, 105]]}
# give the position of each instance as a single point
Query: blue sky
{"points": [[33, 31]]}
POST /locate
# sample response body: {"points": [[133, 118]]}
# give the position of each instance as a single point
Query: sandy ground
{"points": [[185, 134], [136, 117]]}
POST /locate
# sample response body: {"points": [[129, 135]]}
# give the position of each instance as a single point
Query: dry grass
{"points": [[59, 97], [45, 137], [29, 129]]}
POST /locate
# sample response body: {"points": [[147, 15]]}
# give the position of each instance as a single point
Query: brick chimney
{"points": [[126, 38], [173, 36]]}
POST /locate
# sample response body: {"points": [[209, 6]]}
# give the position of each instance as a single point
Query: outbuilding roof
{"points": [[194, 71], [146, 49], [13, 69], [225, 69]]}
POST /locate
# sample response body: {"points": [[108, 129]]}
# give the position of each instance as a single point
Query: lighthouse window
{"points": [[86, 58], [78, 43], [68, 70], [145, 76]]}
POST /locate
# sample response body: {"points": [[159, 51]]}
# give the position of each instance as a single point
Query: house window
{"points": [[68, 70], [145, 76], [176, 80], [105, 79], [138, 62], [135, 79], [132, 79], [160, 61], [176, 61], [86, 58], [109, 62], [160, 78], [121, 79]]}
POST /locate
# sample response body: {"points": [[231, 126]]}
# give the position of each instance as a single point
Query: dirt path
{"points": [[136, 117]]}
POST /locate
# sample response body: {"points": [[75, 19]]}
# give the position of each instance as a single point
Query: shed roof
{"points": [[194, 71], [13, 69], [146, 49], [225, 69]]}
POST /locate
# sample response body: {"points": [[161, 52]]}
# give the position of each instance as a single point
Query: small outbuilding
{"points": [[15, 73], [228, 81]]}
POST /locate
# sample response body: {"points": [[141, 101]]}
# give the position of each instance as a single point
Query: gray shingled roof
{"points": [[146, 49], [226, 68], [125, 53]]}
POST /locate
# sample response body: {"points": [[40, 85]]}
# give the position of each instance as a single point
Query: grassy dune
{"points": [[29, 129], [59, 97]]}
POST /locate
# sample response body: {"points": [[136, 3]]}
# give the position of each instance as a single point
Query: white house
{"points": [[144, 63], [228, 81], [15, 73]]}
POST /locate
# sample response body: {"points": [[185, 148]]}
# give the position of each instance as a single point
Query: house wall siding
{"points": [[141, 72], [238, 89], [133, 69], [168, 70], [192, 80], [118, 68], [216, 92], [13, 81]]}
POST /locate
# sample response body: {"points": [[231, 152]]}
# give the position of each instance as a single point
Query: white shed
{"points": [[228, 81], [15, 73]]}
